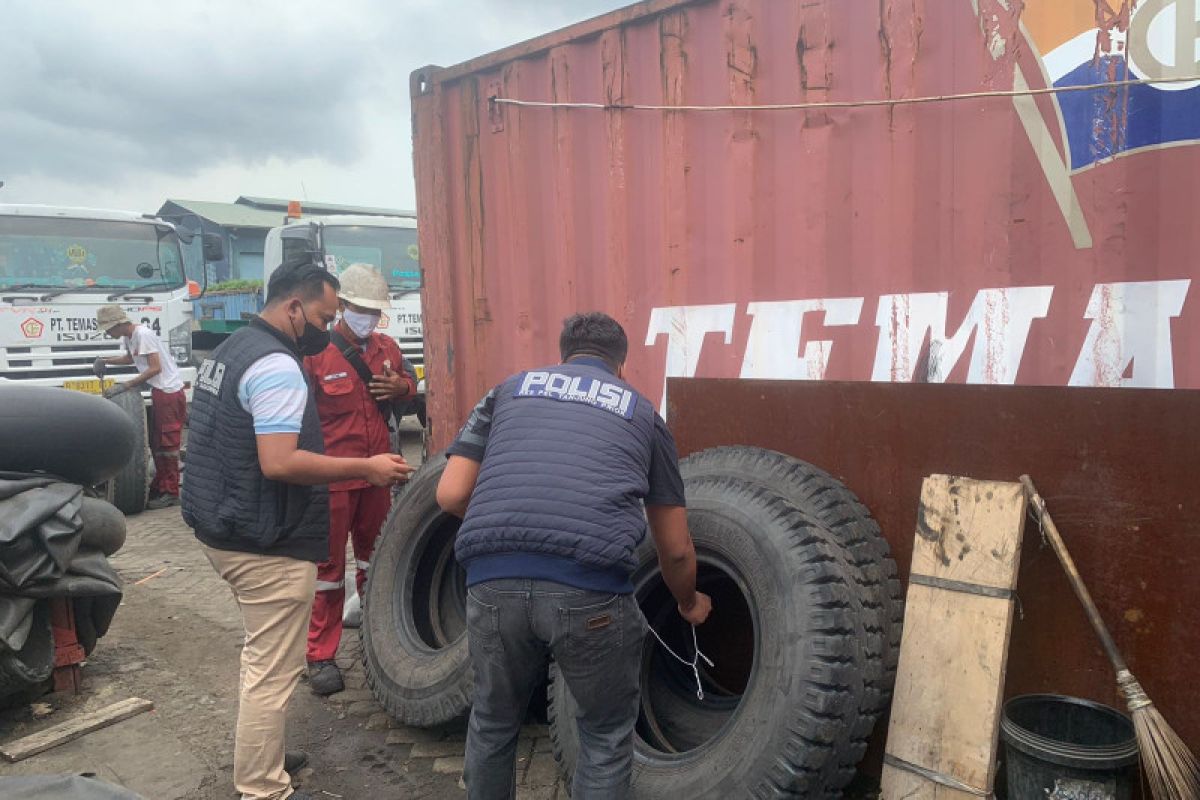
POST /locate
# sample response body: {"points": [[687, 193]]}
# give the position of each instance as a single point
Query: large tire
{"points": [[414, 610], [34, 662], [783, 637], [820, 495], [78, 437], [103, 526], [129, 487]]}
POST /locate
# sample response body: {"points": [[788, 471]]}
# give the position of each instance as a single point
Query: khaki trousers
{"points": [[275, 594]]}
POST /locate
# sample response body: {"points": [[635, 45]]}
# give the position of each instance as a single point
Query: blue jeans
{"points": [[513, 626]]}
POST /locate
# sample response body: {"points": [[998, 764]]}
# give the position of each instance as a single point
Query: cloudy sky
{"points": [[124, 103]]}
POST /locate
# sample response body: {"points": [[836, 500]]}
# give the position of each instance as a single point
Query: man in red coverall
{"points": [[356, 380]]}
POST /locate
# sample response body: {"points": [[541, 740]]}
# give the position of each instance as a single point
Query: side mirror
{"points": [[214, 247]]}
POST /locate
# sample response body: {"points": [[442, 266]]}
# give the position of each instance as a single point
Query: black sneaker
{"points": [[162, 501], [325, 678], [294, 761]]}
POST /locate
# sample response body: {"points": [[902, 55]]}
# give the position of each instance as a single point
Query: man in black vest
{"points": [[552, 474], [256, 497]]}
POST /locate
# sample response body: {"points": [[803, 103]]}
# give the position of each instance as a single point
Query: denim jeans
{"points": [[513, 626]]}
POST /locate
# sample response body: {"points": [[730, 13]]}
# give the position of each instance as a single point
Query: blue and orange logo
{"points": [[1084, 42]]}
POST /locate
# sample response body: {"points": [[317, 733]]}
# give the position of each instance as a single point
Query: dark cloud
{"points": [[90, 93], [95, 93]]}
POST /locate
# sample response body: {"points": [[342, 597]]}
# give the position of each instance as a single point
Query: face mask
{"points": [[312, 340], [360, 324]]}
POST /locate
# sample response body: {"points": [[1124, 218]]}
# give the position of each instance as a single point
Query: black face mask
{"points": [[312, 340]]}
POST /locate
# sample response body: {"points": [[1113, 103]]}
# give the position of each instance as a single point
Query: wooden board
{"points": [[945, 714], [74, 728]]}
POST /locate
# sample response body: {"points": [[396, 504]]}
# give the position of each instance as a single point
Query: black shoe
{"points": [[294, 761], [325, 678], [163, 501]]}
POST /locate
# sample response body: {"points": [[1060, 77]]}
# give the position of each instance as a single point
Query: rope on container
{"points": [[899, 101]]}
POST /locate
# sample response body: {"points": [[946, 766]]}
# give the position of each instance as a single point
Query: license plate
{"points": [[89, 385], [420, 368]]}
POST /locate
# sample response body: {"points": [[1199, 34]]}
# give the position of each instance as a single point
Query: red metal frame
{"points": [[68, 653]]}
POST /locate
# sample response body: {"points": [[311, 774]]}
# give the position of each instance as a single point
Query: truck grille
{"points": [[413, 348], [58, 361]]}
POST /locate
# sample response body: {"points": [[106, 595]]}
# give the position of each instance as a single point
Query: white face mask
{"points": [[360, 324]]}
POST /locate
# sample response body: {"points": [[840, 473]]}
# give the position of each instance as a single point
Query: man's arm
{"points": [[667, 514], [281, 459], [677, 560], [456, 485], [153, 367], [394, 383], [273, 391], [138, 344]]}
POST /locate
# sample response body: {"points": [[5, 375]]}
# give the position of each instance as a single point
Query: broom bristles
{"points": [[1167, 763]]}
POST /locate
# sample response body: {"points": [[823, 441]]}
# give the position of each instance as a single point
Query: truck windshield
{"points": [[393, 251], [56, 252]]}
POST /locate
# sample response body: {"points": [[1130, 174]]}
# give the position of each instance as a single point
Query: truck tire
{"points": [[130, 485], [34, 662], [103, 526], [785, 687], [414, 628], [78, 437], [822, 496]]}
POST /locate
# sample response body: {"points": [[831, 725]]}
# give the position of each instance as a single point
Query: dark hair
{"points": [[299, 277], [593, 334]]}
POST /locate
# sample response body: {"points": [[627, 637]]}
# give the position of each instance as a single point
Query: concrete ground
{"points": [[176, 641]]}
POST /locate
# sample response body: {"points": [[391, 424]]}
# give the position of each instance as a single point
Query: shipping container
{"points": [[1036, 239], [959, 191]]}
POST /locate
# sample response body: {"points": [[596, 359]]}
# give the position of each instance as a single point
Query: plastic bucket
{"points": [[1064, 748]]}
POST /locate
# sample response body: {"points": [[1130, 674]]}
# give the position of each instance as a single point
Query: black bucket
{"points": [[1064, 748]]}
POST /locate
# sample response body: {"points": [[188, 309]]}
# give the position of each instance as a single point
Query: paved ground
{"points": [[176, 641]]}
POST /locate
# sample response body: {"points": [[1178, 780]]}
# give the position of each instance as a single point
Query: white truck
{"points": [[387, 243], [58, 266]]}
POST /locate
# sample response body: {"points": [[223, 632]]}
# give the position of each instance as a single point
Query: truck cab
{"points": [[59, 265], [387, 243]]}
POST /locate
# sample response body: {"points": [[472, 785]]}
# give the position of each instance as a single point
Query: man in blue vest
{"points": [[551, 474], [256, 497]]}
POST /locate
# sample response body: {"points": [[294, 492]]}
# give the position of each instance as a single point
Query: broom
{"points": [[1166, 761]]}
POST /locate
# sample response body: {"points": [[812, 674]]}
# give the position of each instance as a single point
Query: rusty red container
{"points": [[1046, 239]]}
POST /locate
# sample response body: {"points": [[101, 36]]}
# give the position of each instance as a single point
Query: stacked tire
{"points": [[81, 439], [804, 637]]}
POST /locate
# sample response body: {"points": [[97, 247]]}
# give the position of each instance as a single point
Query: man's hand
{"points": [[99, 367], [698, 610], [386, 469], [116, 389], [389, 386]]}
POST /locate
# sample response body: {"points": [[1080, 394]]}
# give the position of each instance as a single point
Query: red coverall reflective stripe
{"points": [[352, 427]]}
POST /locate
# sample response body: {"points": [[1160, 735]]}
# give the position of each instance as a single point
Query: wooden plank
{"points": [[969, 531], [957, 622], [72, 729]]}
